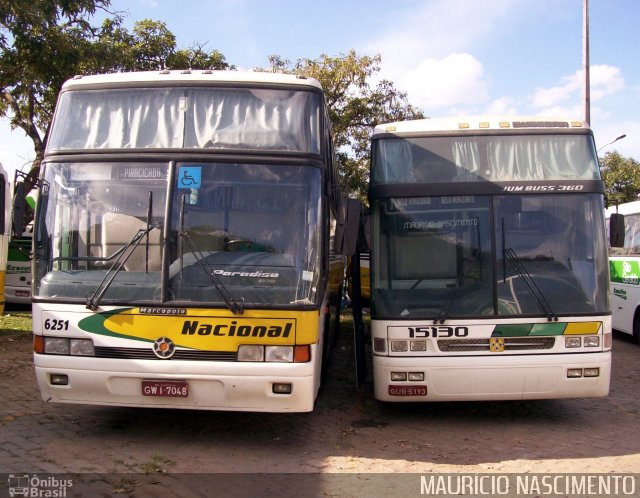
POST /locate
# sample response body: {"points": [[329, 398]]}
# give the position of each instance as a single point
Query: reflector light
{"points": [[379, 345], [59, 379], [302, 354], [574, 373], [398, 376], [281, 388], [38, 344]]}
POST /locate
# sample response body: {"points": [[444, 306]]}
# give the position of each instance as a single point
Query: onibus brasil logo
{"points": [[32, 485]]}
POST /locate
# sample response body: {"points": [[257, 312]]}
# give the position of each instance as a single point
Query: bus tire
{"points": [[636, 326]]}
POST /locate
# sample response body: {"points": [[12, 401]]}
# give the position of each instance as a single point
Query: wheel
{"points": [[636, 327]]}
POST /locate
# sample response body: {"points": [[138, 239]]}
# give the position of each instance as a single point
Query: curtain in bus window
{"points": [[394, 162], [119, 119], [466, 156], [541, 158], [252, 118]]}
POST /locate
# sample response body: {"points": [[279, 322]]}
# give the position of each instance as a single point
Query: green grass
{"points": [[15, 323]]}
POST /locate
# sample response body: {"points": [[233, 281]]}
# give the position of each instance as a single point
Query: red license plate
{"points": [[407, 390], [165, 388]]}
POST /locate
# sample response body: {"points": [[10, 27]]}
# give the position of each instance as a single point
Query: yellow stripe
{"points": [[219, 330], [581, 328]]}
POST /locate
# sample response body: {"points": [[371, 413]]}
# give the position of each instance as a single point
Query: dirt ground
{"points": [[349, 433]]}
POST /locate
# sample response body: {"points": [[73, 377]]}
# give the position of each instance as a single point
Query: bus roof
{"points": [[478, 123], [189, 76]]}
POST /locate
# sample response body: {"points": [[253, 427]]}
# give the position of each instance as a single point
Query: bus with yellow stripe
{"points": [[183, 242], [5, 232], [489, 270]]}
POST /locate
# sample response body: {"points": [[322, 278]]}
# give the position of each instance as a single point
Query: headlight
{"points": [[279, 353], [251, 353], [418, 345], [399, 346], [572, 342], [592, 341], [81, 347], [73, 347], [56, 345]]}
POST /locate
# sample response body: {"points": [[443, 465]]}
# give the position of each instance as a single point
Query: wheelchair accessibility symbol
{"points": [[190, 177]]}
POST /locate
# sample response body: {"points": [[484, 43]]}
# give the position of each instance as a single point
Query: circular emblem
{"points": [[164, 348]]}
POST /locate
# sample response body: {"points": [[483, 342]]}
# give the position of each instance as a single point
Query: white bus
{"points": [[488, 261], [5, 232], [18, 279], [624, 268], [182, 242]]}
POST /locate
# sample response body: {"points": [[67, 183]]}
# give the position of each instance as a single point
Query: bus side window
{"points": [[616, 230]]}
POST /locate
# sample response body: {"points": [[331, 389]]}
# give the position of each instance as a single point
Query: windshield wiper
{"points": [[515, 260], [511, 256], [476, 255], [94, 298], [236, 307], [124, 253]]}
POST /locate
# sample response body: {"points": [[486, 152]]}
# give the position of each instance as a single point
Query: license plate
{"points": [[407, 390], [165, 388]]}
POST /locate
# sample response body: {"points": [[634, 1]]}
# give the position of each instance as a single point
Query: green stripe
{"points": [[94, 324], [529, 329], [556, 328], [512, 330]]}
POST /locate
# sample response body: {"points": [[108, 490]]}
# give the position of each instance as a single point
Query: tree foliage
{"points": [[356, 104], [45, 42], [41, 44], [621, 176]]}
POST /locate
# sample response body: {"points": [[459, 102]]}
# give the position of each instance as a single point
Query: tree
{"points": [[356, 104], [45, 42], [42, 43], [195, 57], [621, 176]]}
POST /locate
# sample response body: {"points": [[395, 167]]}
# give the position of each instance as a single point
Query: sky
{"points": [[451, 57]]}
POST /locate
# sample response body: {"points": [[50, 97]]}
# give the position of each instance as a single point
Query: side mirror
{"points": [[364, 241], [19, 204], [348, 226], [616, 230]]}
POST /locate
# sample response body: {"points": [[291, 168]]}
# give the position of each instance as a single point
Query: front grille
{"points": [[148, 354], [482, 345]]}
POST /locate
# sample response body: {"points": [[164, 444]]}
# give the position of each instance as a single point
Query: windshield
{"points": [[192, 118], [246, 231], [436, 257], [478, 158], [256, 228]]}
